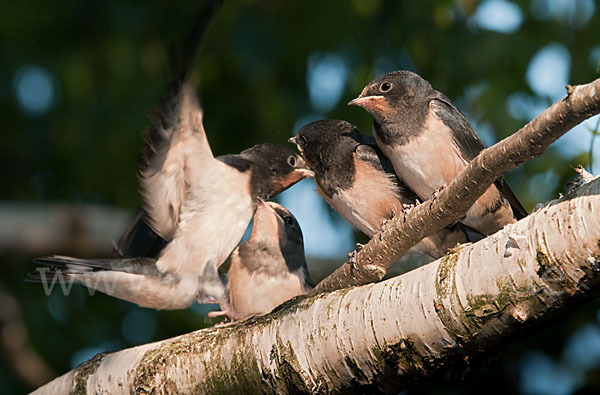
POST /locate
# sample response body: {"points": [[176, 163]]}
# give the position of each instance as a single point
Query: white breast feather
{"points": [[427, 161]]}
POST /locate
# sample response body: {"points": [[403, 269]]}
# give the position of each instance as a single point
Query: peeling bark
{"points": [[380, 337], [371, 263]]}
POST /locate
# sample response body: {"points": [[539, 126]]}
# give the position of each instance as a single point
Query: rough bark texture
{"points": [[398, 235], [380, 337]]}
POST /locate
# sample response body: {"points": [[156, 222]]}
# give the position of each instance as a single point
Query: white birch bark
{"points": [[380, 336]]}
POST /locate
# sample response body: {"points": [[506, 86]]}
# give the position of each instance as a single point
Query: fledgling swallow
{"points": [[199, 205], [359, 182], [429, 141], [268, 268]]}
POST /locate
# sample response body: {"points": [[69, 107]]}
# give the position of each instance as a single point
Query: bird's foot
{"points": [[352, 258], [228, 313], [407, 207], [436, 193], [213, 314]]}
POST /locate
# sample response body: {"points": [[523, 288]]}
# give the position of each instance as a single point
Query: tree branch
{"points": [[380, 337], [371, 263], [39, 229]]}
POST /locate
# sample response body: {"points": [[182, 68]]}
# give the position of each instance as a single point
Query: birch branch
{"points": [[380, 337], [371, 262]]}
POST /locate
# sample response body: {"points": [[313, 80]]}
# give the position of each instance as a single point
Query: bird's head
{"points": [[275, 168], [325, 142], [383, 96], [274, 222]]}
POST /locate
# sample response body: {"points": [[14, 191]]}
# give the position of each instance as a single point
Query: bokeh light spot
{"points": [[326, 78], [583, 348], [541, 375], [34, 88], [548, 71], [595, 58], [541, 185], [524, 107], [139, 325], [498, 15], [573, 13]]}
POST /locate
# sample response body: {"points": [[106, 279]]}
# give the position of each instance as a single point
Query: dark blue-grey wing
{"points": [[505, 191], [307, 279], [463, 134], [370, 153], [139, 240], [470, 145]]}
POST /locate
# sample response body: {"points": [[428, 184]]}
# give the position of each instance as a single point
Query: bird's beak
{"points": [[303, 169], [265, 222], [357, 101], [292, 140], [306, 172], [365, 100]]}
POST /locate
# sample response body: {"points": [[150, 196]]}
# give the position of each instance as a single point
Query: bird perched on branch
{"points": [[268, 268], [198, 204], [359, 182], [429, 141]]}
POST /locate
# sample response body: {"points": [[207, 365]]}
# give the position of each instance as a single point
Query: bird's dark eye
{"points": [[288, 220], [303, 141], [291, 161], [385, 86]]}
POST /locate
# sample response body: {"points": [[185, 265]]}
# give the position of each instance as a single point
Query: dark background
{"points": [[80, 79]]}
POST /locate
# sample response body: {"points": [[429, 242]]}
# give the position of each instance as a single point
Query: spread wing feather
{"points": [[178, 136], [177, 131], [69, 265]]}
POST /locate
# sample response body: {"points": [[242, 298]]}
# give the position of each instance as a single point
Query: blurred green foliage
{"points": [[108, 64]]}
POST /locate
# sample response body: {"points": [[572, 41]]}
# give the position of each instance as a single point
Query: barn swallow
{"points": [[429, 141], [198, 206], [268, 268], [359, 182]]}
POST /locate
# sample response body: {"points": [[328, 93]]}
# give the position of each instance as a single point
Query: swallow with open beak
{"points": [[359, 182], [268, 268], [429, 141]]}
